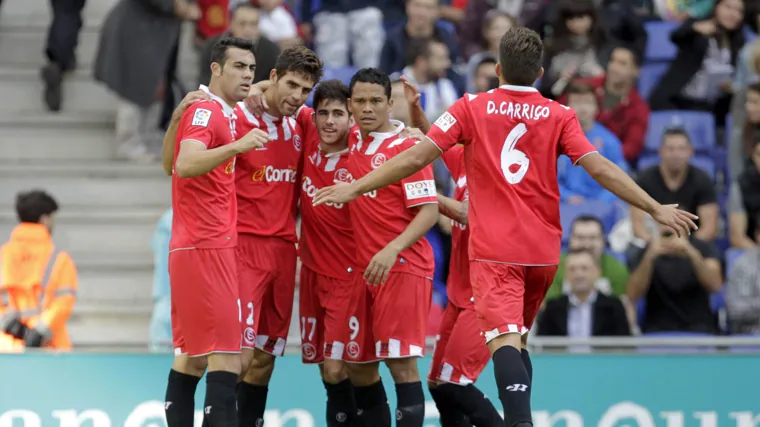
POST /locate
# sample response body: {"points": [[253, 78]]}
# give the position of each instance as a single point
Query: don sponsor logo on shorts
{"points": [[271, 174]]}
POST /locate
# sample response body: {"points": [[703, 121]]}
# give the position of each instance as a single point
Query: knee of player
{"points": [[524, 340], [334, 371], [195, 366], [403, 370], [432, 384], [262, 361]]}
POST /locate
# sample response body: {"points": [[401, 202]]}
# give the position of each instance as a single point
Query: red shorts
{"points": [[267, 281], [205, 305], [460, 354], [508, 296], [391, 318], [326, 323]]}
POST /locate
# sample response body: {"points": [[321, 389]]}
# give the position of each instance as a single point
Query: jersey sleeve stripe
{"points": [[194, 140], [435, 143], [425, 202], [579, 158]]}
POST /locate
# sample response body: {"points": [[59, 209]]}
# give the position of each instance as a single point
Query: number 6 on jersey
{"points": [[511, 156]]}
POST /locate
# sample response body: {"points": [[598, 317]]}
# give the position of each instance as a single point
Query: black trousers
{"points": [[63, 33]]}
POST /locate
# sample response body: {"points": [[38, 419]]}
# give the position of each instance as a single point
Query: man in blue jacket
{"points": [[575, 184]]}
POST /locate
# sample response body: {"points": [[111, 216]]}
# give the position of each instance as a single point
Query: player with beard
{"points": [[266, 184], [512, 138], [205, 300]]}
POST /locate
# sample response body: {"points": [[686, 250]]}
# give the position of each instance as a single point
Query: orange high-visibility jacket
{"points": [[39, 282]]}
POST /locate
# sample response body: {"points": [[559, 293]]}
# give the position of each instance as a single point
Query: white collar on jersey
{"points": [[378, 136], [333, 154], [225, 107], [519, 88]]}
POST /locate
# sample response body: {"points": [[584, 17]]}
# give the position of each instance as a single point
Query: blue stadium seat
{"points": [[700, 126], [705, 163], [659, 47], [649, 77], [343, 74], [731, 256], [718, 300], [606, 212]]}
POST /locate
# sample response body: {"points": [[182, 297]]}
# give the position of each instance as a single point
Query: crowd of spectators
{"points": [[667, 90]]}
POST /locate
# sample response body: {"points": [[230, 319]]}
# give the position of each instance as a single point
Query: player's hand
{"points": [[256, 138], [680, 221], [378, 268], [413, 133], [189, 99], [411, 93], [255, 102], [341, 192], [706, 28]]}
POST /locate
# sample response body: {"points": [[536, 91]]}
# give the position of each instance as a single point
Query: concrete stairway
{"points": [[108, 209]]}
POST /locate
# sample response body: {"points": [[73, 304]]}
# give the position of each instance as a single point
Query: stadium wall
{"points": [[104, 390]]}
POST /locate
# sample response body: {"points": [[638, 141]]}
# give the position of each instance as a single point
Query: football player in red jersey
{"points": [[512, 138], [459, 355], [328, 252], [205, 300], [393, 287], [267, 184]]}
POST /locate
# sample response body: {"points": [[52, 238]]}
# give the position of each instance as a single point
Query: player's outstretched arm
{"points": [[195, 160], [405, 164], [378, 268], [614, 179], [167, 147], [454, 209]]}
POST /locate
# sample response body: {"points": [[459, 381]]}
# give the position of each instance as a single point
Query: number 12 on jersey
{"points": [[511, 156]]}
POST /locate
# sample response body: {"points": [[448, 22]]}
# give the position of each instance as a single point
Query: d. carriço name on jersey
{"points": [[518, 111]]}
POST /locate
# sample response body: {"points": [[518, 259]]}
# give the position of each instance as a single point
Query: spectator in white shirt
{"points": [[277, 24]]}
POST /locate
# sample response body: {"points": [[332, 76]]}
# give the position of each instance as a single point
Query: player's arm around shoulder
{"points": [[170, 137], [198, 152]]}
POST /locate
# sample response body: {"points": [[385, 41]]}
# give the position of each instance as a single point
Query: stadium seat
{"points": [[649, 77], [343, 74], [606, 212], [718, 300], [659, 47], [705, 163], [700, 126], [731, 256]]}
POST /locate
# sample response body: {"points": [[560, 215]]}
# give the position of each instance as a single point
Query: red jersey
{"points": [[205, 209], [266, 178], [513, 137], [381, 215], [327, 243], [458, 287]]}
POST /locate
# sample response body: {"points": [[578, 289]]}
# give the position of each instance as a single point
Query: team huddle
{"points": [[244, 159]]}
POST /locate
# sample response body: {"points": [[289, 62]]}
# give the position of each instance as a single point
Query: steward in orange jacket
{"points": [[38, 282]]}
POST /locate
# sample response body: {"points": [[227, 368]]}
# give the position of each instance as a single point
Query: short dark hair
{"points": [[301, 60], [220, 48], [580, 88], [374, 76], [582, 251], [331, 90], [675, 131], [521, 54], [635, 54], [588, 218], [418, 47], [32, 205]]}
